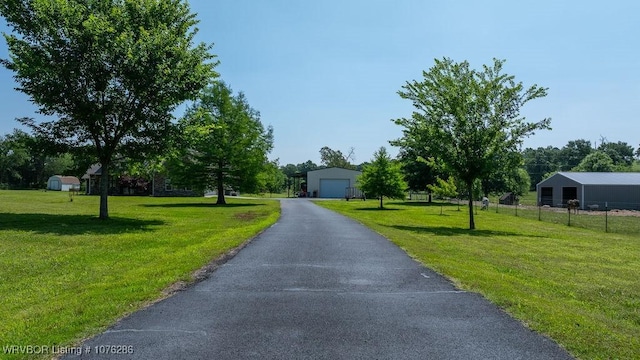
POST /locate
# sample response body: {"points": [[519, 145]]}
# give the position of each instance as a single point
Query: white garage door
{"points": [[333, 188]]}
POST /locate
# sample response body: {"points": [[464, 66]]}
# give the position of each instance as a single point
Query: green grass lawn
{"points": [[65, 275], [578, 286], [267, 195]]}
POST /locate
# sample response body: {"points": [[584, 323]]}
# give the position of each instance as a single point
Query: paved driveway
{"points": [[320, 286]]}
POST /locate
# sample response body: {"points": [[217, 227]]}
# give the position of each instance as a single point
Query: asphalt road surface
{"points": [[317, 285]]}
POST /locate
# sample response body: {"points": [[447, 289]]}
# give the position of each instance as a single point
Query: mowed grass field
{"points": [[578, 286], [65, 275]]}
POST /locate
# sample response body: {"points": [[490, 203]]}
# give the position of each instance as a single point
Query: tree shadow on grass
{"points": [[427, 204], [74, 224], [377, 209], [448, 231], [201, 205]]}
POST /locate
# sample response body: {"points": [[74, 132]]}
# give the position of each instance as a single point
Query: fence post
{"points": [[539, 213], [569, 212], [516, 209], [606, 217]]}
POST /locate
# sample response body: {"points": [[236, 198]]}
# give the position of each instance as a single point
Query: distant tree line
{"points": [[580, 155], [27, 161]]}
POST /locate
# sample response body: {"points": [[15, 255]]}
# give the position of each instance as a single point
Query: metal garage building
{"points": [[593, 189], [331, 182]]}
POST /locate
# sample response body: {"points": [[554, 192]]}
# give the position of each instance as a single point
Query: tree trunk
{"points": [[104, 190], [220, 185], [381, 203], [472, 224]]}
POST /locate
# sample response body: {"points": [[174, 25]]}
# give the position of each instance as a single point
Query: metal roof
{"points": [[603, 178], [68, 180]]}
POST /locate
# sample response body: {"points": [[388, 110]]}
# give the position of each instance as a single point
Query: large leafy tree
{"points": [[335, 158], [14, 157], [223, 143], [307, 166], [597, 161], [417, 172], [271, 178], [382, 178], [620, 152], [573, 153], [112, 71], [469, 121], [539, 162]]}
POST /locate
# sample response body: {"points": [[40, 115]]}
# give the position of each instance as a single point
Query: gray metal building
{"points": [[594, 190]]}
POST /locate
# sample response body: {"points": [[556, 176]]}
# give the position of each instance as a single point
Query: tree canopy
{"points": [[223, 143], [272, 178], [572, 154], [382, 178], [468, 121], [620, 152], [110, 71], [597, 161], [335, 158]]}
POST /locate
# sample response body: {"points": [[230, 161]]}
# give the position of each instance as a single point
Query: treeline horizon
{"points": [[26, 162]]}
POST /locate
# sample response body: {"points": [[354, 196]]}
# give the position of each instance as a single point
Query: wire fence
{"points": [[605, 216], [620, 219]]}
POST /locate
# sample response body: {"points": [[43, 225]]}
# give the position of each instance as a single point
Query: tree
{"points": [[111, 71], [572, 154], [14, 156], [539, 162], [271, 178], [444, 188], [418, 174], [223, 143], [519, 182], [469, 121], [289, 170], [335, 158], [382, 178], [503, 175], [307, 166], [597, 161], [620, 152]]}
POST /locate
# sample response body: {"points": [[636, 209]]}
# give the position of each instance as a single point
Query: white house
{"points": [[63, 183], [331, 182]]}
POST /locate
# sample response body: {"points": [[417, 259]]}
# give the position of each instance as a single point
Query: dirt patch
{"points": [[246, 216]]}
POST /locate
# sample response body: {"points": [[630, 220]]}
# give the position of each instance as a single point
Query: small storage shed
{"points": [[63, 183], [594, 190], [508, 199], [331, 182]]}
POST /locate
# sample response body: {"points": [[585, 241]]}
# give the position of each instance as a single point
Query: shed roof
{"points": [[71, 180], [603, 178]]}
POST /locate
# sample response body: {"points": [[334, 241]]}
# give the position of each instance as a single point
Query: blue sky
{"points": [[326, 73]]}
